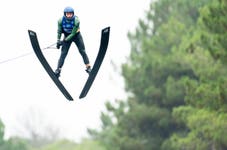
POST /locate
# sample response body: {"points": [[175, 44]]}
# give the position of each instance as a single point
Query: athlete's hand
{"points": [[59, 44]]}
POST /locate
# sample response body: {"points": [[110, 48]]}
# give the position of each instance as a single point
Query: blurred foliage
{"points": [[176, 78], [13, 143]]}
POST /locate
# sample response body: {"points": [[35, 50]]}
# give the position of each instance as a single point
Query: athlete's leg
{"points": [[80, 45], [64, 52]]}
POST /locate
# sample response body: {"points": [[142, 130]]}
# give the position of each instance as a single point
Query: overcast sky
{"points": [[25, 87]]}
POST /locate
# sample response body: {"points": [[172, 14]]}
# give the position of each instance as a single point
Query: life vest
{"points": [[68, 24]]}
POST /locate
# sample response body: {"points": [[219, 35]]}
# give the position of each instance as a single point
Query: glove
{"points": [[59, 44]]}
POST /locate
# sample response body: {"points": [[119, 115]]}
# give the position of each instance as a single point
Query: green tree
{"points": [[214, 21], [157, 71], [177, 85], [206, 99], [207, 130]]}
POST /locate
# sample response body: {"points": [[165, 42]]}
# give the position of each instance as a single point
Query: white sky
{"points": [[24, 84]]}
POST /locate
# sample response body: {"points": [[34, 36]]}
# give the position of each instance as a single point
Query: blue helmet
{"points": [[68, 10]]}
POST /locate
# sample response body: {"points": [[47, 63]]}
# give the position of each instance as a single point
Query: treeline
{"points": [[176, 77]]}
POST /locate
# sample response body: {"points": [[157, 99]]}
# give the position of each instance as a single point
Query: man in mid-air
{"points": [[69, 26]]}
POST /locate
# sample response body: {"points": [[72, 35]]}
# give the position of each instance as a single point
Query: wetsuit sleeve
{"points": [[76, 29], [59, 31]]}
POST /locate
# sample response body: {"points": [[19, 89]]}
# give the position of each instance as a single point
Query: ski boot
{"points": [[88, 69], [57, 72]]}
